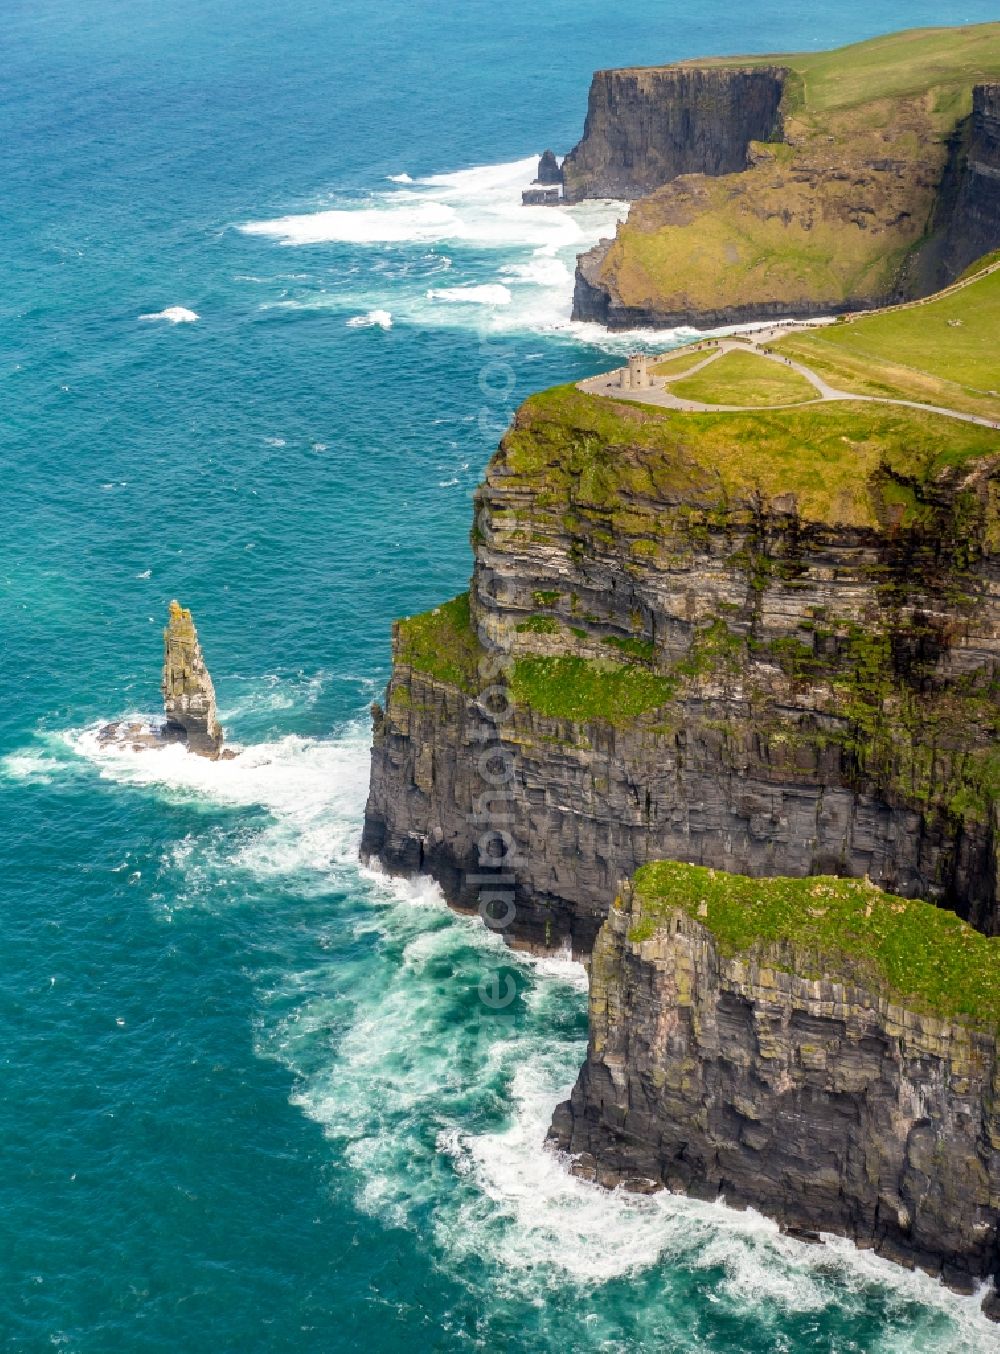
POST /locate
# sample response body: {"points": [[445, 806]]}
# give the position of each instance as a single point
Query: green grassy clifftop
{"points": [[921, 956], [851, 203]]}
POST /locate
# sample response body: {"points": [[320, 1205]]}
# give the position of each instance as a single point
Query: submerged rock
{"points": [[188, 697]]}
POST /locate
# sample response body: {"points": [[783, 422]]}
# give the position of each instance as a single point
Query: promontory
{"points": [[801, 184], [720, 711]]}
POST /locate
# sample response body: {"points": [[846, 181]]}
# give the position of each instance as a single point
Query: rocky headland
{"points": [[720, 711], [790, 1045], [790, 185], [722, 649]]}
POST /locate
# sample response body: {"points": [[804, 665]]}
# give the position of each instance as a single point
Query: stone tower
{"points": [[635, 376]]}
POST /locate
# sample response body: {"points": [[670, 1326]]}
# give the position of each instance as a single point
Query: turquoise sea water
{"points": [[251, 1100]]}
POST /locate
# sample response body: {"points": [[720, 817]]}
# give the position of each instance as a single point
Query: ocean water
{"points": [[267, 298]]}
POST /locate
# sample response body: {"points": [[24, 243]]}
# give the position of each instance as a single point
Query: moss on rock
{"points": [[924, 956]]}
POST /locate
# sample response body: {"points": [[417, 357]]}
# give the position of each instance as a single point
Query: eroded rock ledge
{"points": [[793, 1077]]}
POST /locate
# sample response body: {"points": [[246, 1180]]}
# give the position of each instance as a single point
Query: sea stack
{"points": [[188, 693], [548, 169]]}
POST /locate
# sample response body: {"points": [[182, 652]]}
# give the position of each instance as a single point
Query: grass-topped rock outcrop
{"points": [[874, 177], [814, 1048], [765, 641]]}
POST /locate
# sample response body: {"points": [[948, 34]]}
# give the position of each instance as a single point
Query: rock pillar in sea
{"points": [[188, 693], [548, 169]]}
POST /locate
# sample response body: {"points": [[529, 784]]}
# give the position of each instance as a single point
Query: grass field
{"points": [[893, 65], [442, 643], [585, 689], [924, 955], [948, 61], [942, 351], [673, 364], [587, 449], [745, 379]]}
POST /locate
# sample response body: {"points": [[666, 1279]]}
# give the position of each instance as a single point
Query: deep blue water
{"points": [[251, 1100]]}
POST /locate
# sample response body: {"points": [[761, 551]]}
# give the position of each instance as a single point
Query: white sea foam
{"points": [[381, 319], [496, 1196], [30, 764], [312, 788], [527, 287], [399, 178], [400, 1072], [544, 269], [487, 294], [534, 248], [480, 206], [173, 315]]}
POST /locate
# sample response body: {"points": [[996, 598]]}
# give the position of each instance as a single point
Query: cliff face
{"points": [[824, 1101], [645, 127], [798, 185], [592, 803], [974, 227], [823, 693]]}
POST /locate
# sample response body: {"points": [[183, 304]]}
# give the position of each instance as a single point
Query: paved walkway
{"points": [[660, 394]]}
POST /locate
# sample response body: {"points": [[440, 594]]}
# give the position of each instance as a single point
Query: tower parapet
{"points": [[635, 376]]}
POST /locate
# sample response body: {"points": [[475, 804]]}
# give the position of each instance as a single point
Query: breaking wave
{"points": [[514, 263], [487, 294], [374, 319], [438, 1108], [173, 315]]}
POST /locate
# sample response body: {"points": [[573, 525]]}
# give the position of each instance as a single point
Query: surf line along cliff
{"points": [[744, 645], [798, 1046]]}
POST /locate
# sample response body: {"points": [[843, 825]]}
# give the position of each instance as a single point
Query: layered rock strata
{"points": [[646, 127], [188, 692], [828, 1102], [974, 224], [189, 706], [824, 677], [776, 189]]}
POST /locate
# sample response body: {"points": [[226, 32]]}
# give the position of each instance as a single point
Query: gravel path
{"points": [[661, 395]]}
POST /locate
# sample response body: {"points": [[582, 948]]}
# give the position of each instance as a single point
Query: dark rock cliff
{"points": [[833, 688], [645, 127], [823, 1102], [591, 803], [825, 673], [548, 169], [748, 204], [974, 225]]}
